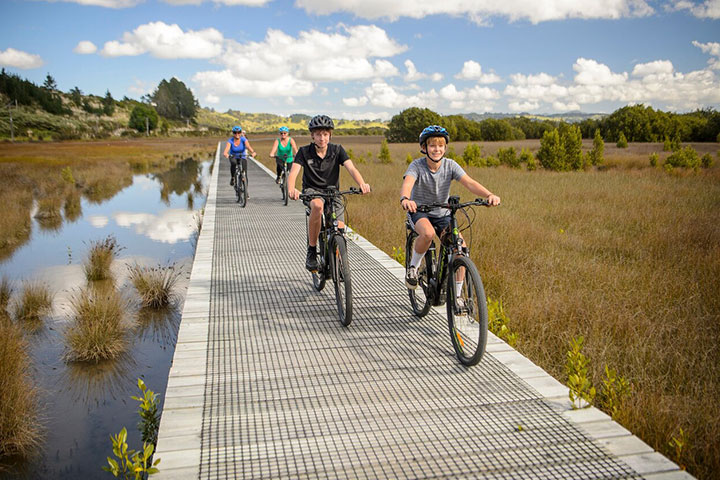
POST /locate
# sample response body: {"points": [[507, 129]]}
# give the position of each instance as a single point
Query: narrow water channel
{"points": [[155, 221]]}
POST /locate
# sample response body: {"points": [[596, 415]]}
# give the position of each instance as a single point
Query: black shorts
{"points": [[438, 223], [338, 202]]}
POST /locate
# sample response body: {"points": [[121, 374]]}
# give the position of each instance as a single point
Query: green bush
{"points": [[508, 156], [596, 155], [532, 163], [551, 154], [384, 155], [472, 155], [707, 161], [672, 145], [525, 155], [408, 159], [141, 113], [653, 159], [451, 153], [622, 141], [685, 158]]}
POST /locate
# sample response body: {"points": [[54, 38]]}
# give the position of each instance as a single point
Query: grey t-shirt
{"points": [[433, 187]]}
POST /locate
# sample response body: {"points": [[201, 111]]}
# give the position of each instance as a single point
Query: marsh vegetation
{"points": [[625, 255]]}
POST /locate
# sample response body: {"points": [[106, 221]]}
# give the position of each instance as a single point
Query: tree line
{"points": [[637, 123], [171, 100]]}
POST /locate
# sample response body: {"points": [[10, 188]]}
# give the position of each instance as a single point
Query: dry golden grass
{"points": [[627, 256], [32, 303], [154, 284], [100, 257], [98, 330], [6, 290], [20, 430]]}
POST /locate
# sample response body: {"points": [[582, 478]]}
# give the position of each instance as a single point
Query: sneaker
{"points": [[460, 307], [311, 262], [411, 278], [232, 181], [277, 180]]}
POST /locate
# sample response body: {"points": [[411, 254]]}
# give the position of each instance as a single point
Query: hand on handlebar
{"points": [[365, 188], [493, 200], [409, 205], [294, 193]]}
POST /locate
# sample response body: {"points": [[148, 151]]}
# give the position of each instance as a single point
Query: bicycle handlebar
{"points": [[481, 202], [331, 193]]}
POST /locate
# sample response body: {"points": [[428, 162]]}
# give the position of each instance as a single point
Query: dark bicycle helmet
{"points": [[321, 121], [237, 128], [434, 131]]}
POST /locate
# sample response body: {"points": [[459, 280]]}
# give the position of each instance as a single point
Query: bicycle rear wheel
{"points": [[467, 313], [419, 297], [238, 186], [342, 280]]}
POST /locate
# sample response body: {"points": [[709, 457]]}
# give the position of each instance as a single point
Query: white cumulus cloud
{"points": [[706, 9], [590, 72], [19, 59], [85, 47], [166, 41], [472, 70], [481, 10], [107, 3], [713, 48], [245, 3]]}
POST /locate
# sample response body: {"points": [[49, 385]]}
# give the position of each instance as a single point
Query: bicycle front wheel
{"points": [[420, 296], [238, 187], [342, 279], [467, 312], [284, 187], [243, 191]]}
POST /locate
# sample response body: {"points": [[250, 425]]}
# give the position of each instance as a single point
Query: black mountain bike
{"points": [[437, 276], [240, 179], [283, 177], [332, 251]]}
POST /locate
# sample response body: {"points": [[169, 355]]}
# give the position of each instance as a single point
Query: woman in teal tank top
{"points": [[285, 149]]}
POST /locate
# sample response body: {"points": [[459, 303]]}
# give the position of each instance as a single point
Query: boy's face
{"points": [[320, 137], [436, 148]]}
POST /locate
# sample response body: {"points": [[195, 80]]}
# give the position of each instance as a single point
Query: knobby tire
{"points": [[468, 327], [342, 279], [419, 297]]}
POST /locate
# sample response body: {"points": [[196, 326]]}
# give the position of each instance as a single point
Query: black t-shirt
{"points": [[321, 173]]}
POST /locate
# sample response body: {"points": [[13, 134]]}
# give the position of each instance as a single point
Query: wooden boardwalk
{"points": [[266, 383]]}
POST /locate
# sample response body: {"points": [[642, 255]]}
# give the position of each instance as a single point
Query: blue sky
{"points": [[374, 58]]}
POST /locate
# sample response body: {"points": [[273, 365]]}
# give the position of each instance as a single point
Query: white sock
{"points": [[416, 258], [458, 289]]}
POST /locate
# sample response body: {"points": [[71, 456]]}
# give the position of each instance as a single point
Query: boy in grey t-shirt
{"points": [[427, 180]]}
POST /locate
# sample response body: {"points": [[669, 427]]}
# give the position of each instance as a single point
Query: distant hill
{"points": [[569, 117], [269, 122]]}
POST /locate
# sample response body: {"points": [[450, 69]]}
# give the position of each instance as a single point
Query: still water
{"points": [[155, 222]]}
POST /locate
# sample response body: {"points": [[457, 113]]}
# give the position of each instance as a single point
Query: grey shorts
{"points": [[338, 202]]}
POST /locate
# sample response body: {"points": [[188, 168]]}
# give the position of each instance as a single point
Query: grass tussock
{"points": [[32, 303], [20, 429], [154, 284], [100, 258], [6, 290], [626, 257], [98, 330]]}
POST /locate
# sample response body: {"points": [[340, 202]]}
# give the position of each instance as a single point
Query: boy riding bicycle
{"points": [[320, 161], [427, 180]]}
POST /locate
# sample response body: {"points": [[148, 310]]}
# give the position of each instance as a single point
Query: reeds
{"points": [[100, 258], [98, 330], [33, 302], [20, 429], [154, 284], [6, 290]]}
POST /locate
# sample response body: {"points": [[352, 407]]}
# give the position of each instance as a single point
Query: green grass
{"points": [[20, 429], [98, 330]]}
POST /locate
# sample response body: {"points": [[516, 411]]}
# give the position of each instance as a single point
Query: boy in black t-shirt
{"points": [[320, 162]]}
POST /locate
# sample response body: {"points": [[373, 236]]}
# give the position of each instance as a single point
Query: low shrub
{"points": [[653, 159], [685, 158], [508, 156], [472, 155], [98, 330], [622, 141], [706, 161]]}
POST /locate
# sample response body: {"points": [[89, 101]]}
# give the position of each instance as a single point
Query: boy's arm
{"points": [[294, 146], [405, 192], [292, 191], [474, 187], [355, 174]]}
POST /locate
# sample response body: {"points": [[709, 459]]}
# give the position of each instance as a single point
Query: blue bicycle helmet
{"points": [[284, 129], [237, 128], [434, 131]]}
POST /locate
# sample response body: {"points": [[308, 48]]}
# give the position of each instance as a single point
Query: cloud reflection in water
{"points": [[170, 226]]}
